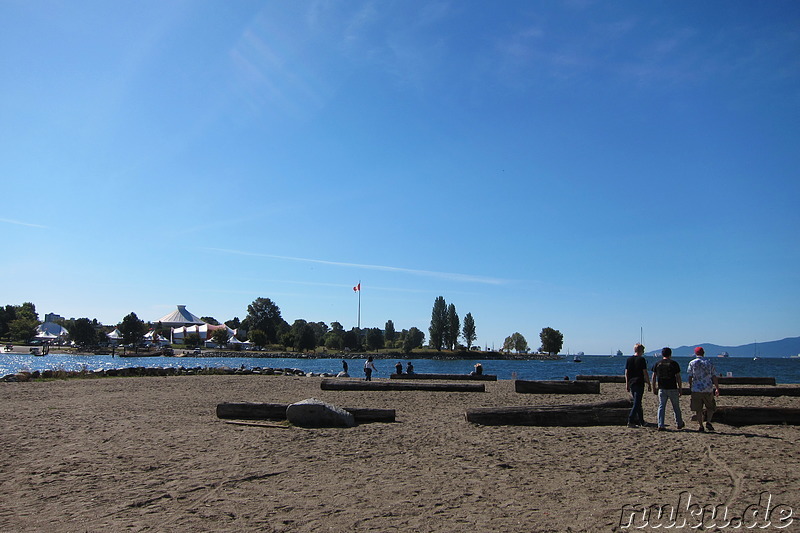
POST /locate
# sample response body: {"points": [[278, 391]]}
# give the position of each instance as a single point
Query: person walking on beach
{"points": [[635, 379], [667, 385], [369, 368], [704, 385]]}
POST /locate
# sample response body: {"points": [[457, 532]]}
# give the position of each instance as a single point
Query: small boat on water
{"points": [[723, 354]]}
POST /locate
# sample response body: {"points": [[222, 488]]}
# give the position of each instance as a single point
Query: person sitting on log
{"points": [[398, 368], [409, 368], [478, 370]]}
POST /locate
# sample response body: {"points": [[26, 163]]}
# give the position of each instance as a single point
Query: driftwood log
{"points": [[601, 379], [593, 414], [723, 380], [745, 380], [557, 387], [277, 411], [754, 416], [351, 385], [755, 391], [451, 377]]}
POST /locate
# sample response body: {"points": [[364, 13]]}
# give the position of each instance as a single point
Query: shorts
{"points": [[703, 399]]}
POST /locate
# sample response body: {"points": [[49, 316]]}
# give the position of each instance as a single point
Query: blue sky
{"points": [[595, 167]]}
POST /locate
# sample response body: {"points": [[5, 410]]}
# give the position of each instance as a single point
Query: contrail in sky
{"points": [[469, 278], [18, 223]]}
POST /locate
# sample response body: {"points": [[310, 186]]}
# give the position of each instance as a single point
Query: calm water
{"points": [[783, 370]]}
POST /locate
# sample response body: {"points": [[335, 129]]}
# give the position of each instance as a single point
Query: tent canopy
{"points": [[180, 317]]}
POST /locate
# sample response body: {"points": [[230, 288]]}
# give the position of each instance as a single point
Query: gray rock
{"points": [[316, 413]]}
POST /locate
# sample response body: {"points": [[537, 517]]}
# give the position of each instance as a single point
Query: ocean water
{"points": [[784, 370]]}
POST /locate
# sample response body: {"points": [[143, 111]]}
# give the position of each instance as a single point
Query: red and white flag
{"points": [[357, 288]]}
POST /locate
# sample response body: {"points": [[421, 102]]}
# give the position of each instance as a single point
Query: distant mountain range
{"points": [[781, 348]]}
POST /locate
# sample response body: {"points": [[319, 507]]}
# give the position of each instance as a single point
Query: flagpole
{"points": [[359, 305]]}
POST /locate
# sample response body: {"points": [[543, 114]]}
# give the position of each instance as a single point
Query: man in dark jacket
{"points": [[667, 384]]}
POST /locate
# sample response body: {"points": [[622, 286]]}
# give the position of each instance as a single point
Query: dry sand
{"points": [[149, 454]]}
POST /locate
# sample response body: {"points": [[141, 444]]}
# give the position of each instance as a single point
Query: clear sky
{"points": [[595, 167]]}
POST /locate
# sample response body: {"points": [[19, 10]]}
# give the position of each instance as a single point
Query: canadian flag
{"points": [[357, 288]]}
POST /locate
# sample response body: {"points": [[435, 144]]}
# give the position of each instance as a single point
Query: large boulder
{"points": [[316, 413]]}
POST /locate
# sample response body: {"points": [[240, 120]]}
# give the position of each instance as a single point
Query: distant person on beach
{"points": [[369, 368], [667, 385], [398, 368], [635, 379], [704, 385], [409, 368], [478, 370], [343, 373], [344, 366]]}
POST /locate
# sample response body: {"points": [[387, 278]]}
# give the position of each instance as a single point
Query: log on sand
{"points": [[557, 387], [594, 414], [277, 411], [602, 379], [745, 380], [723, 380], [755, 416], [755, 391], [452, 377], [351, 385]]}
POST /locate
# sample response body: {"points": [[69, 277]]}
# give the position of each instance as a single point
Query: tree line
{"points": [[265, 327]]}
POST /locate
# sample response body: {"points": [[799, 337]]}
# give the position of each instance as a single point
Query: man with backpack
{"points": [[667, 385]]}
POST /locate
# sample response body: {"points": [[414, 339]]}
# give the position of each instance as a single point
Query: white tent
{"points": [[180, 317], [51, 331], [152, 338]]}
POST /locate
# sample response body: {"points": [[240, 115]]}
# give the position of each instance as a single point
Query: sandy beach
{"points": [[149, 454]]}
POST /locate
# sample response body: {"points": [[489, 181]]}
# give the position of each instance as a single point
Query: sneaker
{"points": [[632, 425], [701, 429], [681, 425], [662, 428], [709, 426]]}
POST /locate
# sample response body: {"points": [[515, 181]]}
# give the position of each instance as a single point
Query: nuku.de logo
{"points": [[689, 515]]}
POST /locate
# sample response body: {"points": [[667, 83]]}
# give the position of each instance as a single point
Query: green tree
{"points": [[23, 329], [265, 315], [552, 340], [233, 323], [81, 331], [220, 337], [257, 337], [453, 327], [413, 339], [28, 310], [375, 340], [192, 340], [389, 333], [334, 340], [468, 332], [7, 315], [439, 324], [209, 320], [319, 329], [515, 342], [302, 336], [132, 330], [352, 339]]}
